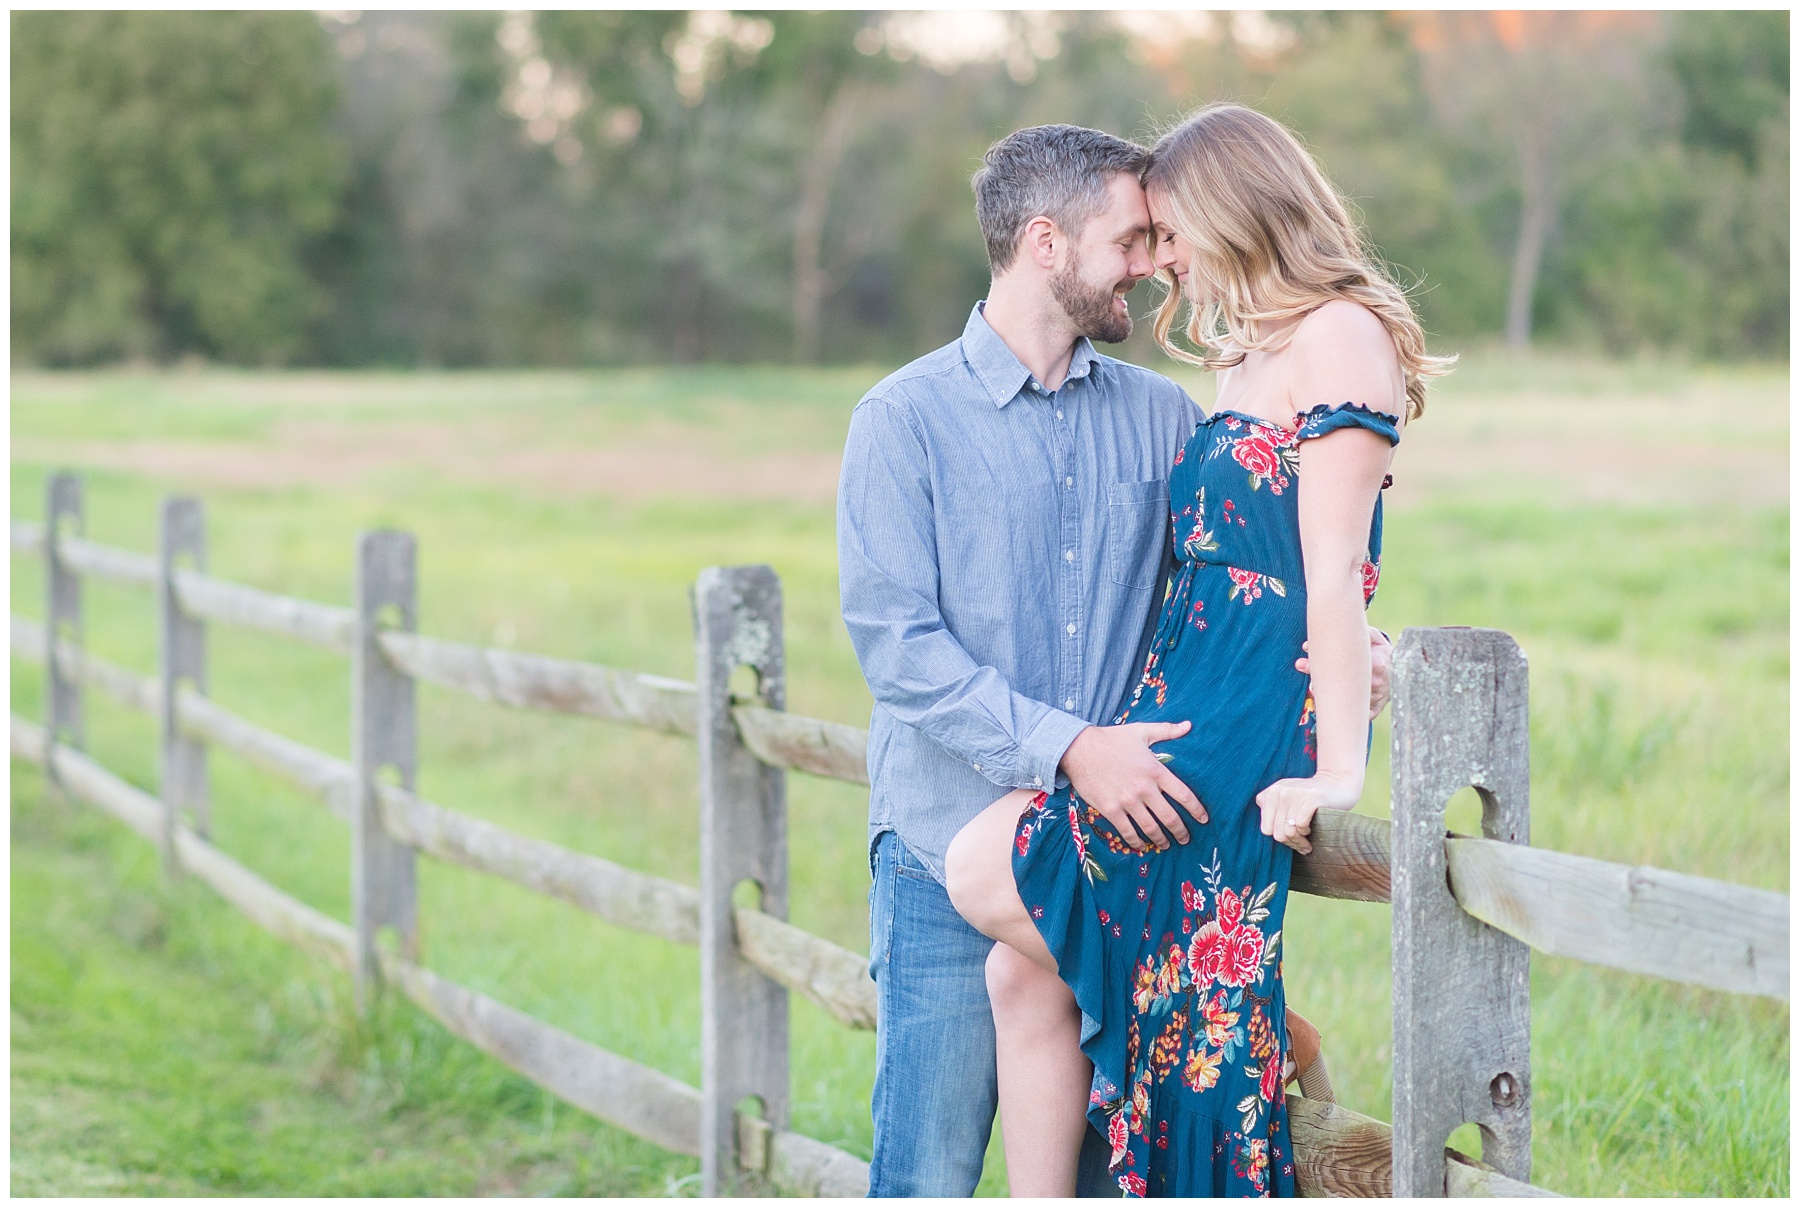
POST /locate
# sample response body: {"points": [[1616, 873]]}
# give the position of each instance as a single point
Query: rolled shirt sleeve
{"points": [[914, 665]]}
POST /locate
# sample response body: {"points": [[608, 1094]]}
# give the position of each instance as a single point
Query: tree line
{"points": [[571, 188]]}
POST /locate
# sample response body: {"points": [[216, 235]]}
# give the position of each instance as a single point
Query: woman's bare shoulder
{"points": [[1342, 353], [1343, 326]]}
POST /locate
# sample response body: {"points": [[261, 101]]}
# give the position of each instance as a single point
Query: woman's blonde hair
{"points": [[1273, 239]]}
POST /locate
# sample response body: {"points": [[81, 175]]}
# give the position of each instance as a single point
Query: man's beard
{"points": [[1089, 307]]}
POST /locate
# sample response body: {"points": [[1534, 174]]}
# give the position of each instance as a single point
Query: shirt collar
{"points": [[1000, 370]]}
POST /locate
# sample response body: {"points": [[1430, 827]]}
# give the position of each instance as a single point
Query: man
{"points": [[1002, 540]]}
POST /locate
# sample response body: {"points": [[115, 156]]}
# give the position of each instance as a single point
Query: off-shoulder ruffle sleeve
{"points": [[1329, 417]]}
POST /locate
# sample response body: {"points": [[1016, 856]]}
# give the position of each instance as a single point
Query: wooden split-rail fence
{"points": [[1466, 910]]}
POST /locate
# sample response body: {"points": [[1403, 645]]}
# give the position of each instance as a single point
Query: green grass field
{"points": [[1627, 523]]}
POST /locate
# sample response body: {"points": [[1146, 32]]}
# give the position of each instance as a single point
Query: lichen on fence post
{"points": [[62, 620], [1462, 1004], [182, 661], [743, 837], [383, 740]]}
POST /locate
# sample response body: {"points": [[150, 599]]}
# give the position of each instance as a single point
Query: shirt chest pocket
{"points": [[1136, 522]]}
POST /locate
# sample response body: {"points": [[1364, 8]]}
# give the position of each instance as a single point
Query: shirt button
{"points": [[1068, 482], [977, 767], [1068, 555], [1071, 628], [1059, 415], [1069, 704], [1038, 780]]}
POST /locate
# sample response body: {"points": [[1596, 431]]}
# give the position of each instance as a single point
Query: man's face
{"points": [[1109, 258]]}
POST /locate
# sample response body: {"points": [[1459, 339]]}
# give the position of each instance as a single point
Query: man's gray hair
{"points": [[1060, 172]]}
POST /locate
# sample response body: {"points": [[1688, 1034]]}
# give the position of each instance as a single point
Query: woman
{"points": [[1162, 968]]}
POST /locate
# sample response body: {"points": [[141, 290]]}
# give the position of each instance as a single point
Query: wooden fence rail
{"points": [[1451, 689]]}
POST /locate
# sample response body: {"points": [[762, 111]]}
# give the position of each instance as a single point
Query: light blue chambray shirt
{"points": [[1000, 551]]}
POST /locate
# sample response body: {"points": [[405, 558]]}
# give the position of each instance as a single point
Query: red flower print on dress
{"points": [[1231, 910], [1251, 1161], [1269, 1080], [1133, 1184], [1022, 842], [1191, 898], [1270, 455], [1246, 581], [1227, 949], [1256, 455], [1117, 1134], [1251, 584], [1243, 956], [1206, 955], [1371, 576]]}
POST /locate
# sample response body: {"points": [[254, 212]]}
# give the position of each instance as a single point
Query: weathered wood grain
{"points": [[383, 741], [743, 837], [213, 599], [799, 1165], [1462, 1007], [835, 978], [535, 681], [85, 557], [1466, 1178], [1338, 1152], [1341, 1153], [1644, 920], [1350, 858], [618, 895], [183, 783], [641, 1100], [806, 744]]}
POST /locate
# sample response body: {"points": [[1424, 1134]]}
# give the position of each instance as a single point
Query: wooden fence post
{"points": [[62, 620], [743, 836], [183, 661], [1462, 993], [383, 888]]}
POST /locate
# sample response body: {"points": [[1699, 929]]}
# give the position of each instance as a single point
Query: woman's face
{"points": [[1172, 251]]}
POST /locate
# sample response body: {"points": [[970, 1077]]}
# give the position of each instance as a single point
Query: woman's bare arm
{"points": [[1340, 354]]}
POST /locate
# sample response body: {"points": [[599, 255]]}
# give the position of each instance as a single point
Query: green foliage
{"points": [[587, 187], [170, 173], [1733, 69], [1684, 242]]}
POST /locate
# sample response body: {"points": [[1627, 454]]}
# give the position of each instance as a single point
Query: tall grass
{"points": [[1657, 634]]}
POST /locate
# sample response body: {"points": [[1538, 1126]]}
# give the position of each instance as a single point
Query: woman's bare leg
{"points": [[1044, 1076], [978, 873]]}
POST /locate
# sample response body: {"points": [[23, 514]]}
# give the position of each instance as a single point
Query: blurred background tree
{"points": [[577, 188], [172, 175]]}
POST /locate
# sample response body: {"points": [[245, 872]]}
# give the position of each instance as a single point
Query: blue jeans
{"points": [[935, 1092]]}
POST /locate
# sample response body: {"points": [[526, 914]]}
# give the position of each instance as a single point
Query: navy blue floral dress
{"points": [[1175, 957]]}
